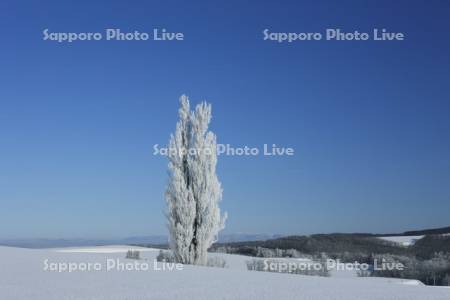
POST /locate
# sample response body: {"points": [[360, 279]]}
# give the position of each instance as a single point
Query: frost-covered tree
{"points": [[193, 192]]}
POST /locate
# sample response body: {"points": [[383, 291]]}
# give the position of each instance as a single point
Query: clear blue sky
{"points": [[369, 121]]}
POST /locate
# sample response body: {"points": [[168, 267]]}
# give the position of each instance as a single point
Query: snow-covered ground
{"points": [[22, 276], [104, 249], [402, 240]]}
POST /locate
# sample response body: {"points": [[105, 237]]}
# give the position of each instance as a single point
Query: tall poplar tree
{"points": [[193, 192]]}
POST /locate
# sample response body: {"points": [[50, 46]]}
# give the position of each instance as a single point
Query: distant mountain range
{"points": [[443, 230], [149, 240], [162, 239]]}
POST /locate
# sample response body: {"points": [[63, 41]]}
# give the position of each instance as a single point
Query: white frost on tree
{"points": [[193, 192]]}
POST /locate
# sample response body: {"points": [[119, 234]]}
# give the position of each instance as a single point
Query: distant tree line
{"points": [[428, 260], [433, 271]]}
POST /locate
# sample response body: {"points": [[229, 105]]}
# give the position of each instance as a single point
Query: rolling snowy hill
{"points": [[23, 277], [402, 240]]}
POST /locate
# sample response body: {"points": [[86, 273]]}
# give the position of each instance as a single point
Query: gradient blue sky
{"points": [[369, 121]]}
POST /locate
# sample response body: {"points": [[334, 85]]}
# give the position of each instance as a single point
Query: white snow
{"points": [[402, 240], [104, 249], [22, 276], [411, 282]]}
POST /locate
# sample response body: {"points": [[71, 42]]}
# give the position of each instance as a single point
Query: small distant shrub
{"points": [[133, 254], [255, 265], [165, 256], [363, 273], [217, 262], [446, 280], [288, 266]]}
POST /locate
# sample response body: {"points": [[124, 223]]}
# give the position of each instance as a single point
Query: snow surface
{"points": [[104, 249], [402, 240], [22, 276]]}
